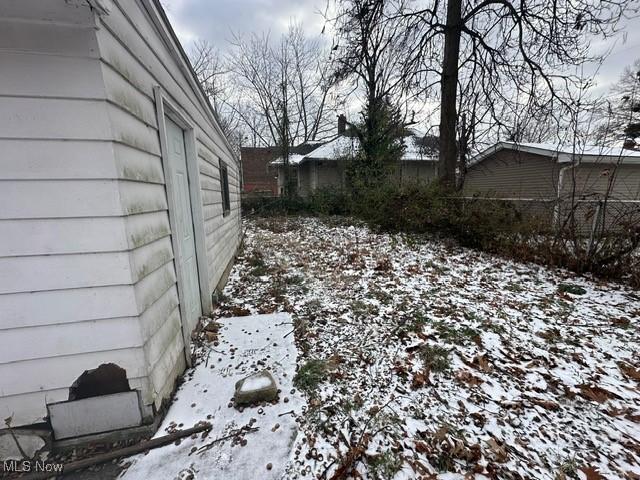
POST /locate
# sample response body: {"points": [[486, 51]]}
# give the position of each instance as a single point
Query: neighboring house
{"points": [[325, 166], [546, 177], [119, 201], [257, 177]]}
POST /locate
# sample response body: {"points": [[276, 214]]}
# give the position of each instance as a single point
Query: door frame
{"points": [[165, 107]]}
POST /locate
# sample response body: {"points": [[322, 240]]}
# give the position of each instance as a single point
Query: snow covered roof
{"points": [[294, 159], [344, 146], [564, 153]]}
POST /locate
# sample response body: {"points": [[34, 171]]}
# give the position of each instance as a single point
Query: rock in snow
{"points": [[256, 388]]}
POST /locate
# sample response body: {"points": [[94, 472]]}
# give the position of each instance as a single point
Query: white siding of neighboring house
{"points": [[86, 264]]}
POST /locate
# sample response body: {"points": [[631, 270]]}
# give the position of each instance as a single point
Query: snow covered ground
{"points": [[424, 360], [238, 348]]}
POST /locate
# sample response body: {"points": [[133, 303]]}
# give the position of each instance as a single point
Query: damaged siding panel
{"points": [[63, 370], [31, 406]]}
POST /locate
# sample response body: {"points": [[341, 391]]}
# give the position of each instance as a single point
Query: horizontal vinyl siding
{"points": [[66, 281], [134, 59], [33, 36], [55, 307], [509, 174], [221, 233], [418, 172], [129, 89], [594, 179], [45, 159]]}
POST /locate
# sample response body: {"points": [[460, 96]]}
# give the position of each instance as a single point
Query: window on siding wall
{"points": [[224, 188]]}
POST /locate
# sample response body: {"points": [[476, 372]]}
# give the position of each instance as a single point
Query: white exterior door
{"points": [[186, 257]]}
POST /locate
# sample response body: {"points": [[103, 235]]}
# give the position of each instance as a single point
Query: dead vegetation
{"points": [[420, 357]]}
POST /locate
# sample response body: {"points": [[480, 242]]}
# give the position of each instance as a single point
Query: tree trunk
{"points": [[449, 89]]}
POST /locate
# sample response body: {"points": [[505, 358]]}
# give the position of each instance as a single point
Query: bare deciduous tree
{"points": [[520, 52], [213, 75], [261, 67], [371, 49], [621, 110]]}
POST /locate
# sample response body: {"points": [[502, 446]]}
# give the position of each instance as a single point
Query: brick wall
{"points": [[257, 176]]}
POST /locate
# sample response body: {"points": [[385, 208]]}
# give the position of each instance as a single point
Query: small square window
{"points": [[224, 188]]}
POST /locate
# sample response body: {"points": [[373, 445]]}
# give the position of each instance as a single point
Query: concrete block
{"points": [[33, 443], [92, 415], [259, 387]]}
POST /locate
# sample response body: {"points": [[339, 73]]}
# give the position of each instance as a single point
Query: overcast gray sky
{"points": [[214, 20]]}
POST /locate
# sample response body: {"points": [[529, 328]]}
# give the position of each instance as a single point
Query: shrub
{"points": [[496, 226], [310, 375], [385, 466], [435, 358], [571, 288]]}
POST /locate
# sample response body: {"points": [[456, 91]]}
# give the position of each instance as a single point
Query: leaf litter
{"points": [[443, 362]]}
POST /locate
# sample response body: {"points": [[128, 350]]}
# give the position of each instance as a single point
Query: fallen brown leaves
{"points": [[547, 404], [499, 451], [629, 371], [592, 473], [596, 394], [420, 379], [466, 377]]}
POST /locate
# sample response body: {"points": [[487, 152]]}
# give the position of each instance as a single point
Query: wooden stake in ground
{"points": [[122, 452]]}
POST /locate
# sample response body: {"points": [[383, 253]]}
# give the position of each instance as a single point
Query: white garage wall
{"points": [[86, 263]]}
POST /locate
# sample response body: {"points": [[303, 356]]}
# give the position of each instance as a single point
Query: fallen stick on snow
{"points": [[122, 452], [240, 431]]}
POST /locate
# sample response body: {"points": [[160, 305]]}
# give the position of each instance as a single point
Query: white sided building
{"points": [[119, 201]]}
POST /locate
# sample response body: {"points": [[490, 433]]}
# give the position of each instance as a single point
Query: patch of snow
{"points": [[252, 384], [246, 345], [533, 381]]}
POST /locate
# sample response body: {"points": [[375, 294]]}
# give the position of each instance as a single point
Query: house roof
{"points": [[564, 153], [342, 146], [339, 147]]}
